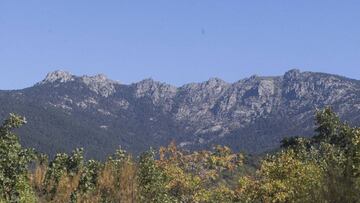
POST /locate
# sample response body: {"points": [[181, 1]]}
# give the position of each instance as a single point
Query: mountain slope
{"points": [[253, 114]]}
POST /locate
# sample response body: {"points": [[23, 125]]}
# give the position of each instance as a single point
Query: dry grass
{"points": [[114, 184], [38, 176]]}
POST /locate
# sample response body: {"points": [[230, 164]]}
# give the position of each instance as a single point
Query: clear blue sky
{"points": [[176, 41]]}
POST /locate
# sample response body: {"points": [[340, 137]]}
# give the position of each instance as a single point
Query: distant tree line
{"points": [[324, 168]]}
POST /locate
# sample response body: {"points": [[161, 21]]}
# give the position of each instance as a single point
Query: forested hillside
{"points": [[323, 168], [251, 115]]}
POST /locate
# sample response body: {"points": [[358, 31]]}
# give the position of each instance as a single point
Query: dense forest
{"points": [[324, 168]]}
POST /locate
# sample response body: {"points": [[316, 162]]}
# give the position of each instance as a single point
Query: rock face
{"points": [[57, 76], [252, 114], [100, 84]]}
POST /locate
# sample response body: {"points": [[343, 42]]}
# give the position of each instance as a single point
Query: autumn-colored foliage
{"points": [[324, 168]]}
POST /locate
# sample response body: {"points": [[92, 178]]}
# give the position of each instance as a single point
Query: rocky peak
{"points": [[58, 76], [292, 74], [147, 82], [254, 78], [216, 82], [100, 84], [154, 89], [99, 79]]}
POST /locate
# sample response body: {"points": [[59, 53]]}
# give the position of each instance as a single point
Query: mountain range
{"points": [[254, 114]]}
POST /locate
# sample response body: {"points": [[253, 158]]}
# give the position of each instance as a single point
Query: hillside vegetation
{"points": [[324, 168], [252, 115]]}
